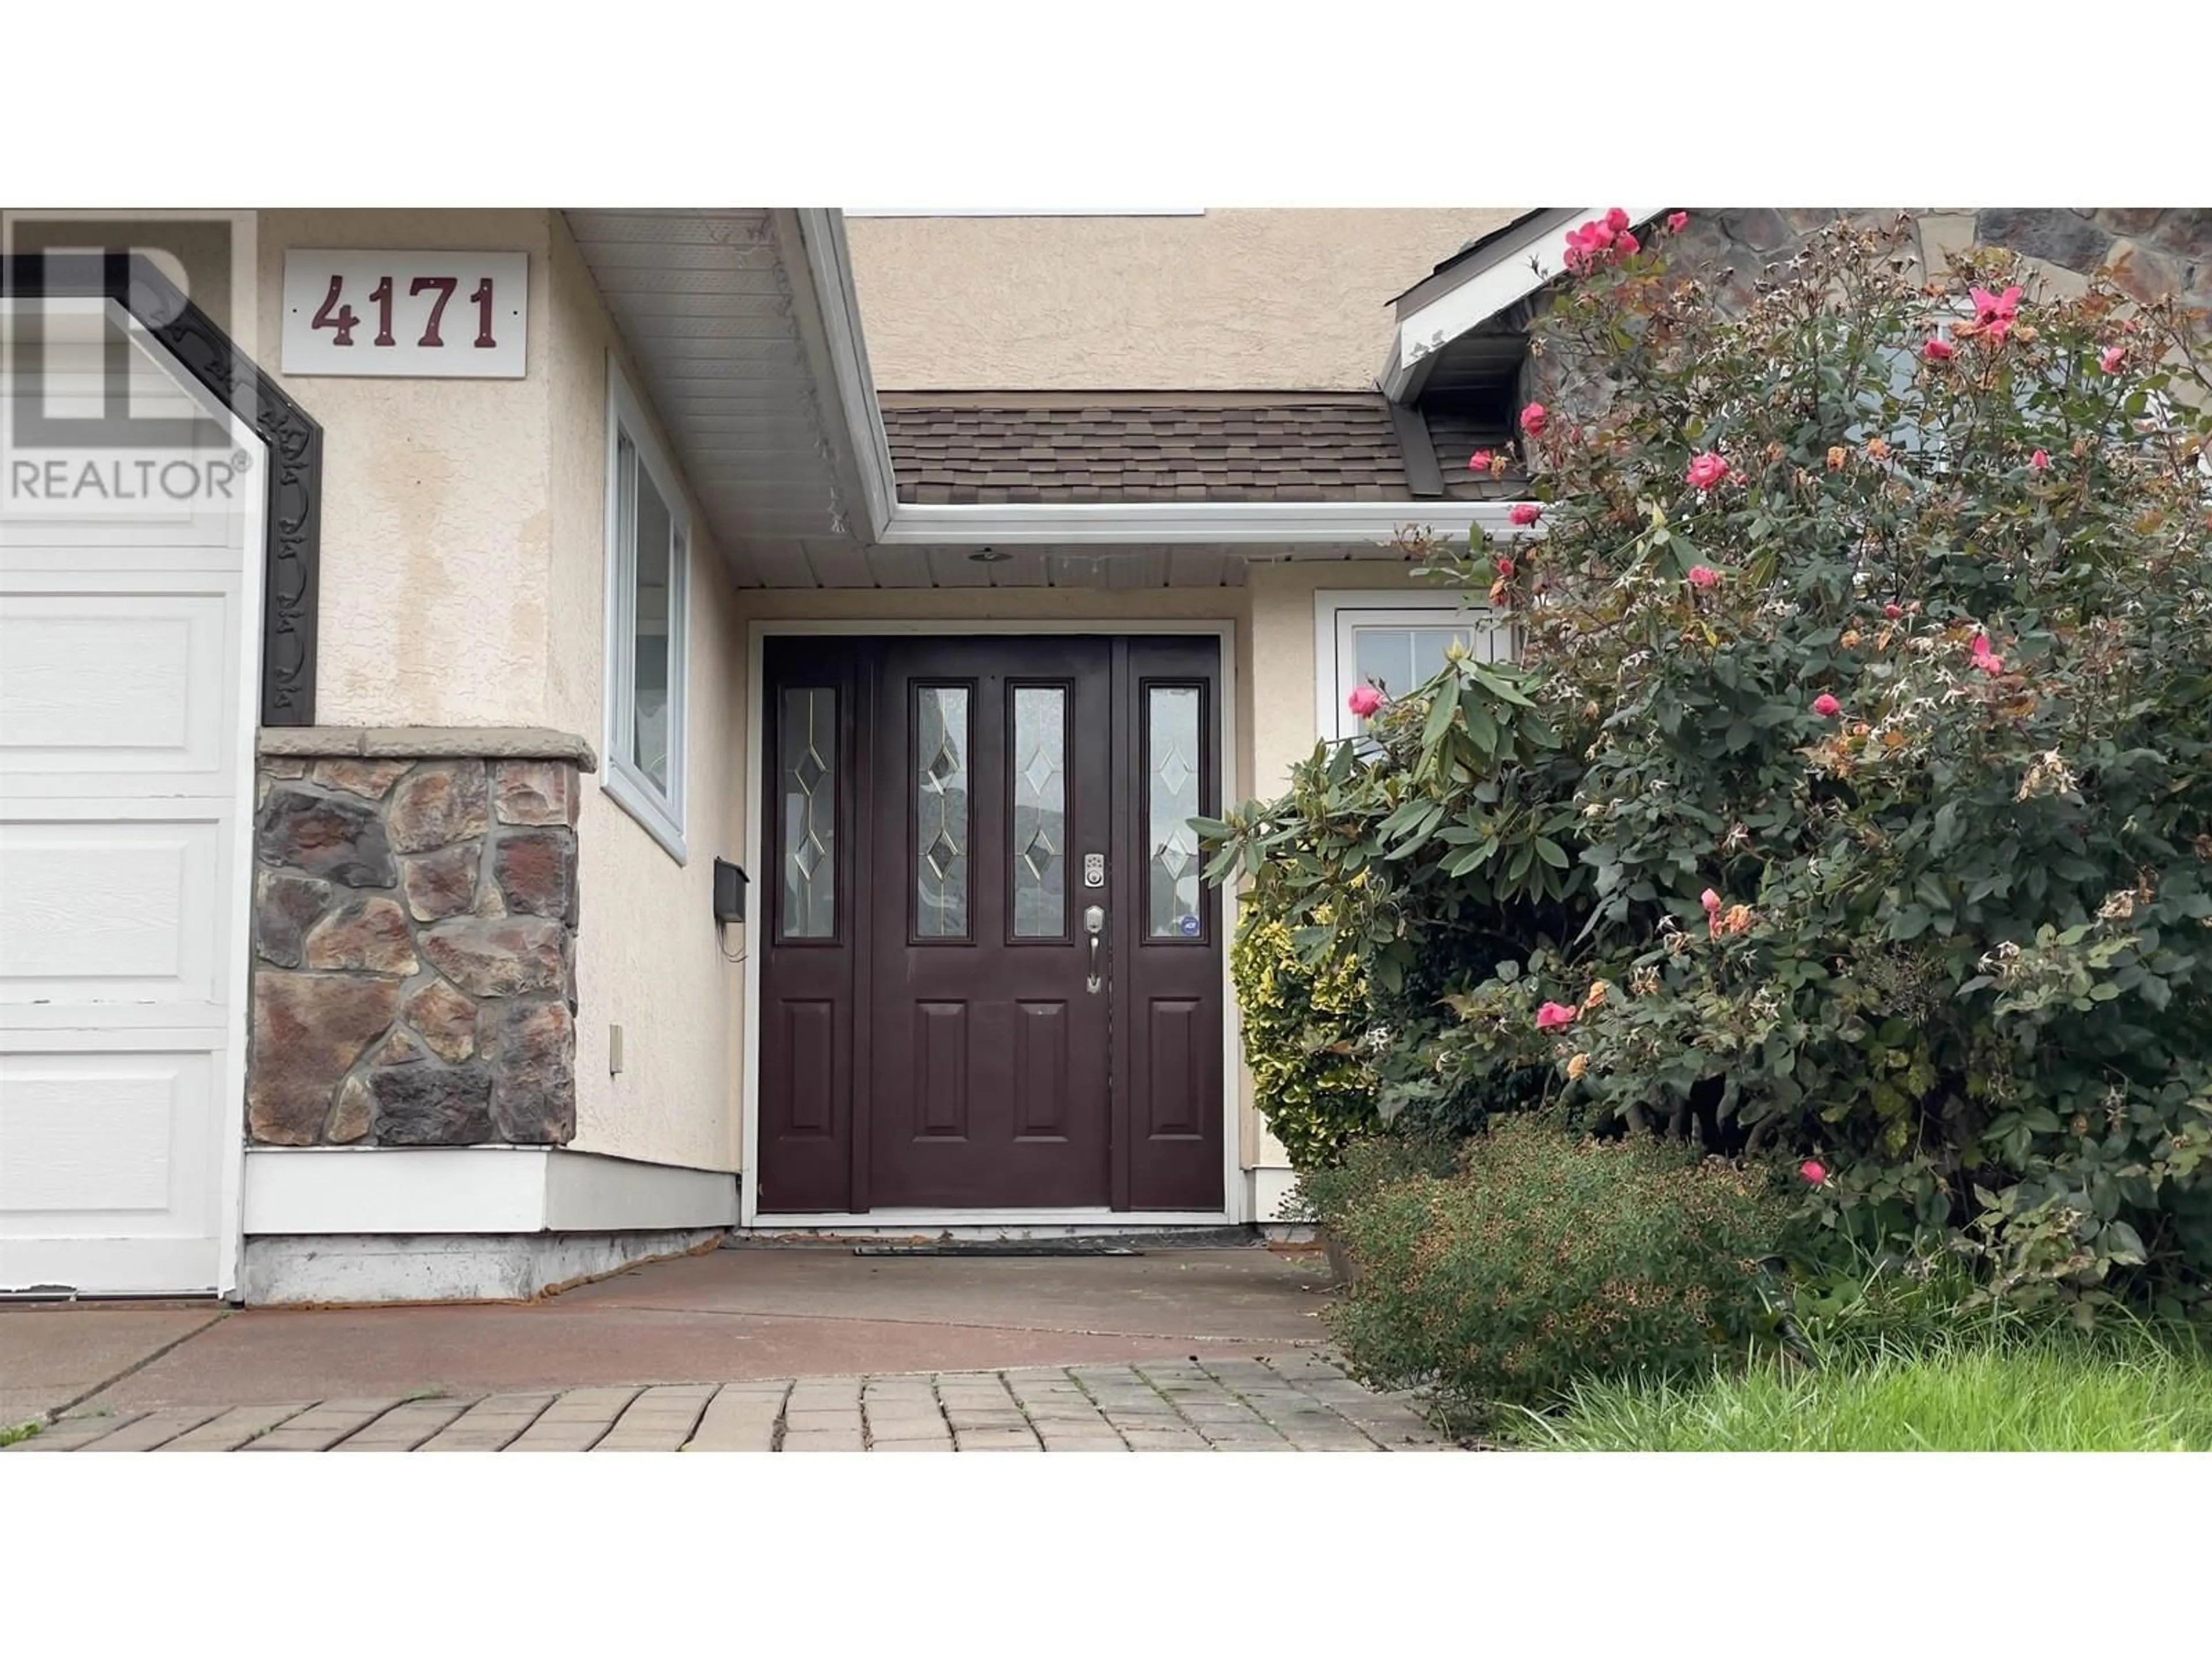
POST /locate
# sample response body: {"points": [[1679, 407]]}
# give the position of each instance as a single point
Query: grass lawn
{"points": [[2051, 1393]]}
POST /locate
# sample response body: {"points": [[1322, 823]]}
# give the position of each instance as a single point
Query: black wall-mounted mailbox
{"points": [[729, 892]]}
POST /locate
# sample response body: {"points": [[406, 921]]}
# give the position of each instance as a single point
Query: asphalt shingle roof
{"points": [[1012, 446]]}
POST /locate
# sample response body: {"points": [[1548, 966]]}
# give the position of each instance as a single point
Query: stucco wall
{"points": [[647, 955], [1236, 298], [436, 516], [463, 584]]}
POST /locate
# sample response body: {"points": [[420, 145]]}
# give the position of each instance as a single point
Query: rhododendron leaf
{"points": [[1480, 725], [1441, 710]]}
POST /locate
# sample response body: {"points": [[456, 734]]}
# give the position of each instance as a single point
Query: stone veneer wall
{"points": [[414, 937], [2147, 253]]}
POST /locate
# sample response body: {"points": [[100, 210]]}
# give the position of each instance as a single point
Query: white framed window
{"points": [[1393, 640], [649, 616]]}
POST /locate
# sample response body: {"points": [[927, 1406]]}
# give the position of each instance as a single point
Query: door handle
{"points": [[1094, 924]]}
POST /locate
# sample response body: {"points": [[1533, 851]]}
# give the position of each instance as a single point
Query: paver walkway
{"points": [[1296, 1401]]}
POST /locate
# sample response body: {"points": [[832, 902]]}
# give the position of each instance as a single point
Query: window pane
{"points": [[650, 620], [940, 811], [1171, 753], [808, 749], [1383, 657], [1401, 658], [1040, 772], [1428, 650]]}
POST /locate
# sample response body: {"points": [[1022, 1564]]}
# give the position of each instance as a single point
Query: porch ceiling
{"points": [[719, 316]]}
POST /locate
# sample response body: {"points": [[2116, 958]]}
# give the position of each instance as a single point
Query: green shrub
{"points": [[1852, 798], [1366, 1166], [1303, 1025], [1549, 1256]]}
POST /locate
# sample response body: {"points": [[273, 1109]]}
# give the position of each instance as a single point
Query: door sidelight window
{"points": [[941, 807], [1173, 755]]}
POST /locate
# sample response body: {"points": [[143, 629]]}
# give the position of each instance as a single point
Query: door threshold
{"points": [[933, 1226]]}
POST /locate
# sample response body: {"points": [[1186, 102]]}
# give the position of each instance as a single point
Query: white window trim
{"points": [[1338, 611], [660, 813]]}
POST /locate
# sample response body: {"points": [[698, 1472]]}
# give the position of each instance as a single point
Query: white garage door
{"points": [[129, 636]]}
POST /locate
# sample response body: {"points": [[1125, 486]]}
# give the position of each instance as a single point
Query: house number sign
{"points": [[416, 315]]}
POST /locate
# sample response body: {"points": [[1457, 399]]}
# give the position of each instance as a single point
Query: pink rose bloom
{"points": [[1937, 351], [1704, 575], [1533, 419], [1710, 899], [2040, 460], [1553, 1015], [1826, 707], [1995, 312], [1677, 219], [1893, 611], [1363, 700], [1979, 646], [1479, 462], [1708, 470], [1524, 513], [1989, 662], [1616, 219], [1584, 243], [1625, 243], [2111, 359], [1813, 1170], [1505, 568]]}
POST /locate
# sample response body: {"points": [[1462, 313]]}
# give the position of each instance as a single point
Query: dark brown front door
{"points": [[992, 978]]}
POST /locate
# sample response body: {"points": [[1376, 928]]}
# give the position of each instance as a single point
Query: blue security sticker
{"points": [[1190, 926]]}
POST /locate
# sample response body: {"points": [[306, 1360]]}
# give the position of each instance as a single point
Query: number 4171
{"points": [[338, 316]]}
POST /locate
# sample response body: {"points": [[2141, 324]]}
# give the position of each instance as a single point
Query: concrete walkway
{"points": [[760, 1349]]}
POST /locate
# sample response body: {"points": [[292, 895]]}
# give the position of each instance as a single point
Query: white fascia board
{"points": [[1508, 279], [829, 266], [1166, 523]]}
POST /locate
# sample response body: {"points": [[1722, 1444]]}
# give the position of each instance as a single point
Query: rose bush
{"points": [[1894, 668]]}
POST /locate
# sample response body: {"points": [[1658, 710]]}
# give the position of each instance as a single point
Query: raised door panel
{"points": [[109, 688], [102, 912], [108, 1175]]}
